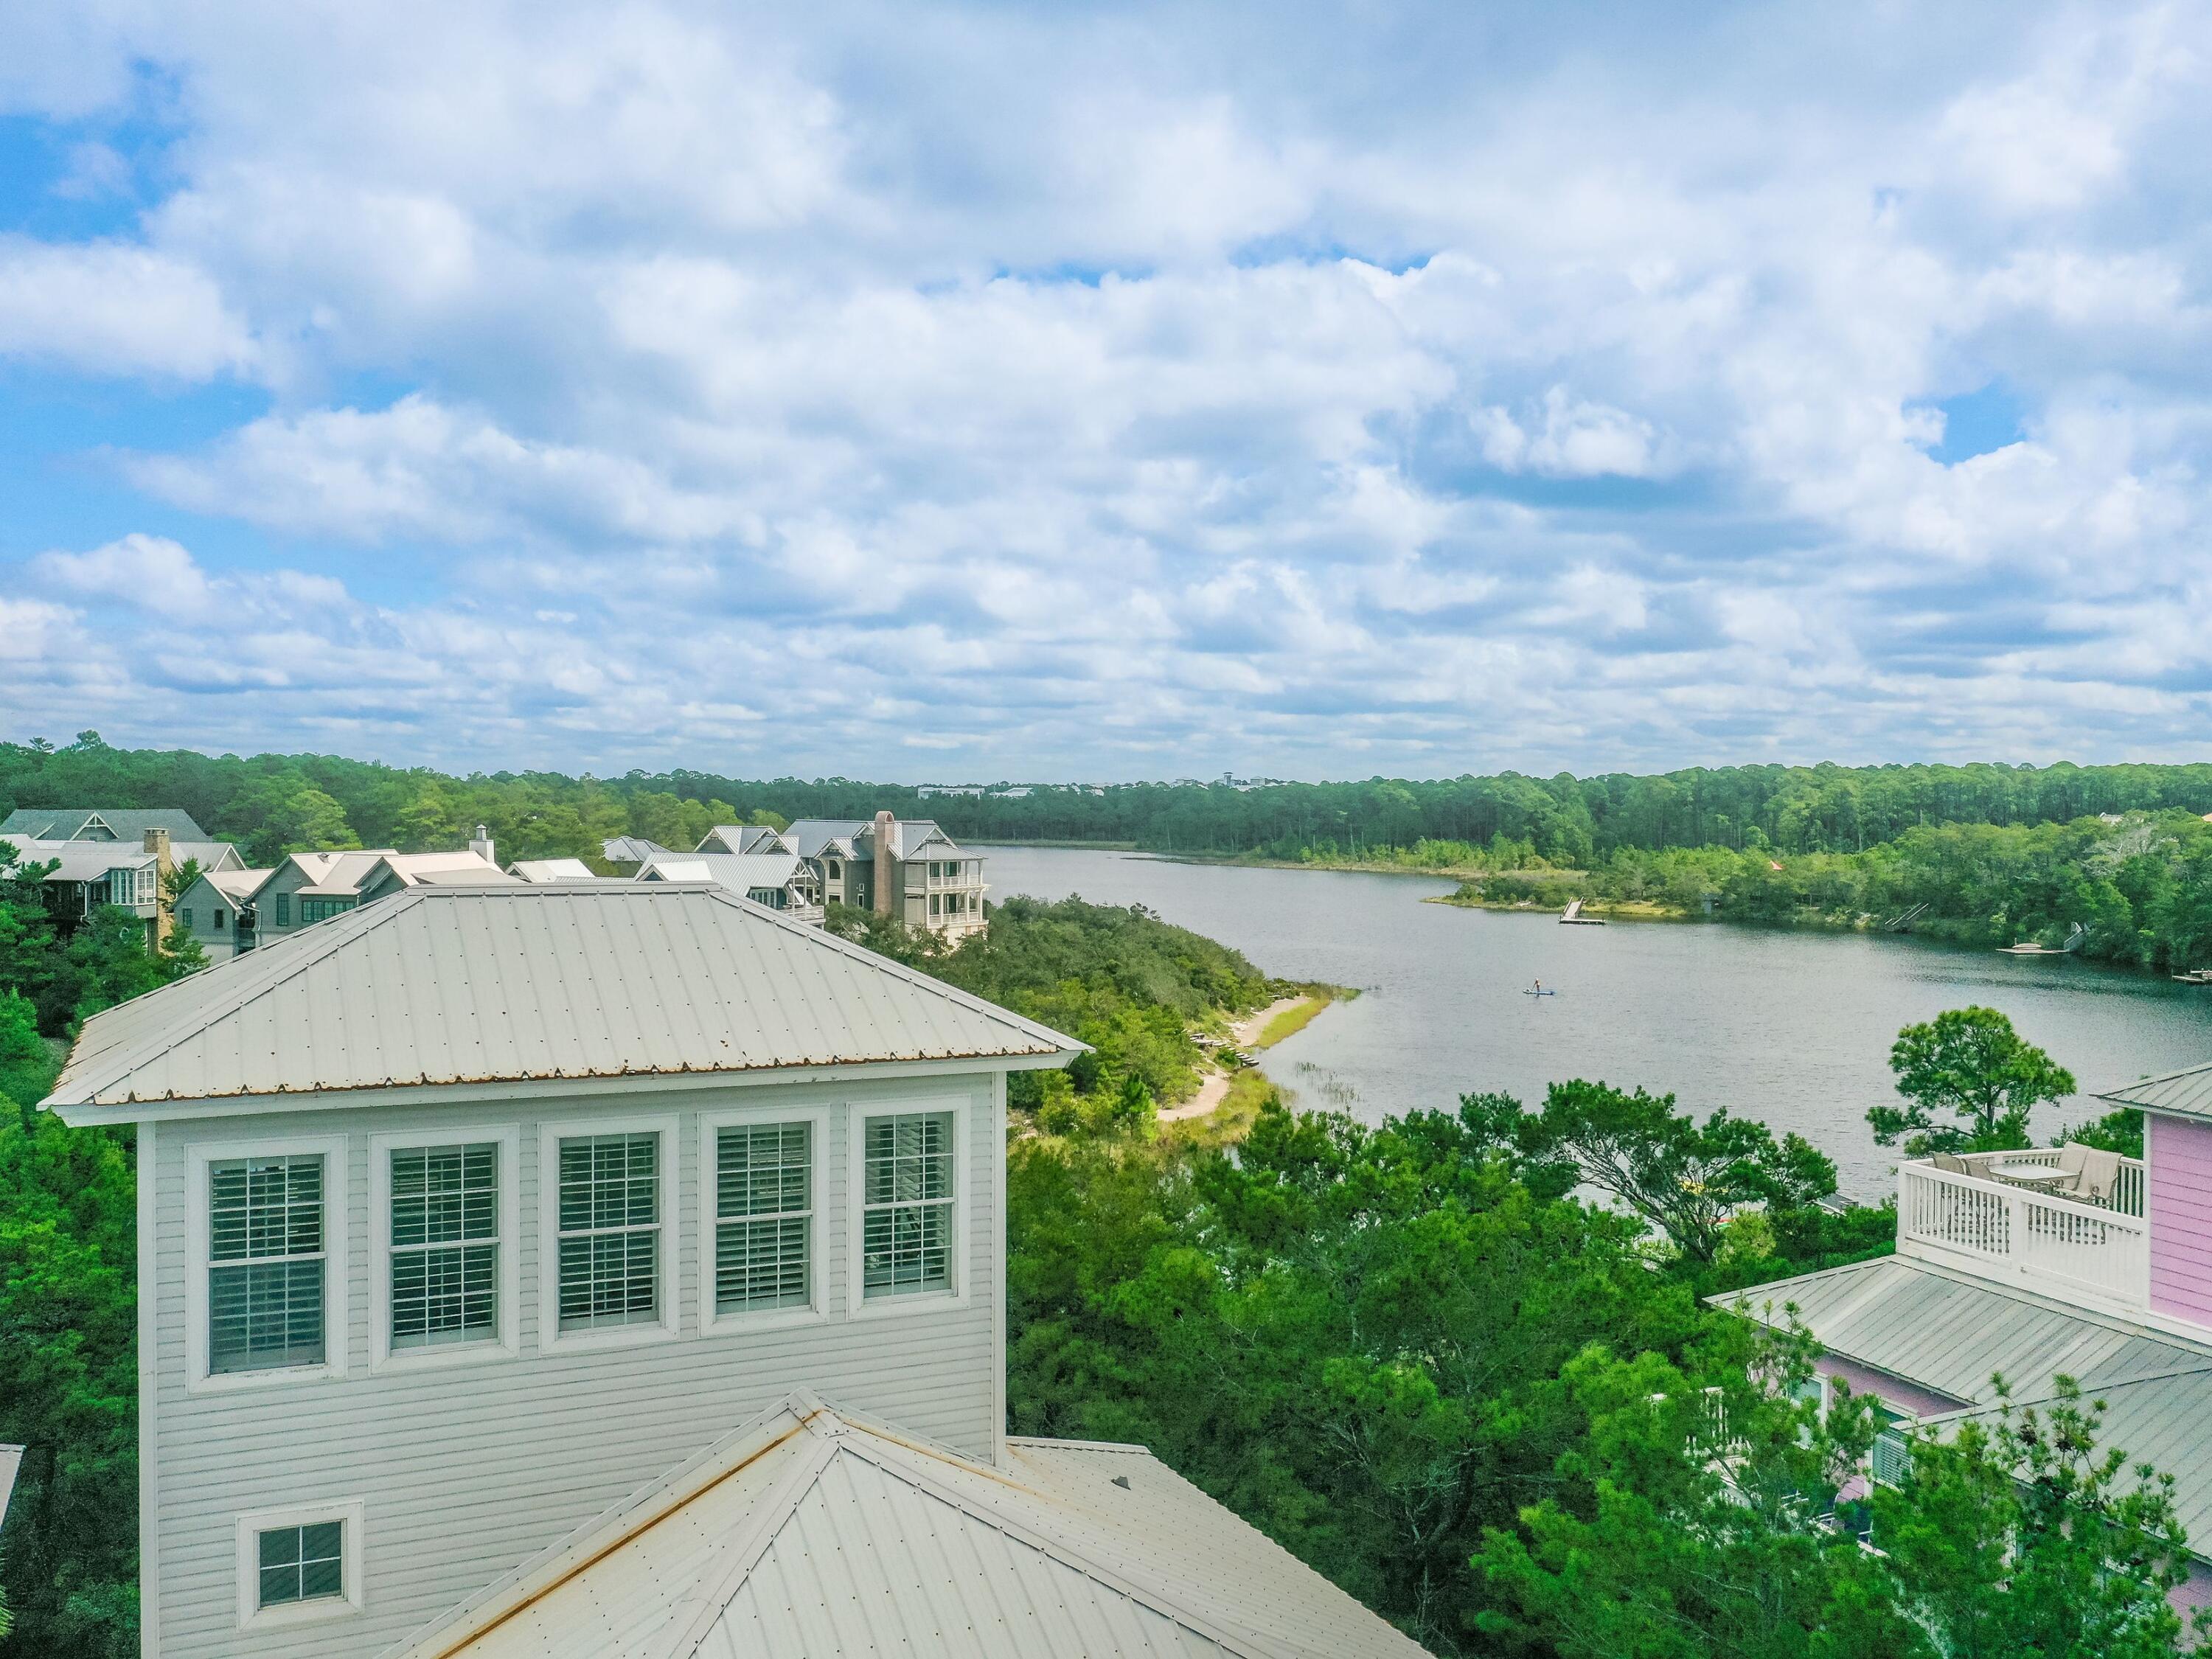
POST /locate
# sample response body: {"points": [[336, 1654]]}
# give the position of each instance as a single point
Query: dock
{"points": [[1573, 916]]}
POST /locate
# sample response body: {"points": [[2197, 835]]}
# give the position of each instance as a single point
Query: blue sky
{"points": [[1067, 392]]}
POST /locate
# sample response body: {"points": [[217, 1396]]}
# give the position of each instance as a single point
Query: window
{"points": [[936, 904], [218, 922], [444, 1271], [764, 1216], [609, 1213], [129, 887], [265, 1263], [316, 910], [907, 1213], [834, 869], [283, 909], [301, 1564], [184, 917]]}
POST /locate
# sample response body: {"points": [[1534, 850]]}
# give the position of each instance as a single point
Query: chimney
{"points": [[165, 865], [482, 845], [886, 827]]}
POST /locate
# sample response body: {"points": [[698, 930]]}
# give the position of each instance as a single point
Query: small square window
{"points": [[302, 1563]]}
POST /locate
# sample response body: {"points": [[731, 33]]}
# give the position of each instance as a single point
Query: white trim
{"points": [[150, 1437], [382, 1356], [817, 1310], [551, 1132], [251, 1615], [997, 1138], [859, 1305], [82, 1114], [338, 1261]]}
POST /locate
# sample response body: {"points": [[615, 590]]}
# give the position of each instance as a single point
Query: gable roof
{"points": [[551, 870], [629, 849], [2184, 1093], [741, 838], [90, 860], [810, 837], [815, 1531], [69, 823], [440, 985], [739, 872]]}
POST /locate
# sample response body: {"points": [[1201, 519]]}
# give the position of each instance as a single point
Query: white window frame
{"points": [[383, 1357], [338, 1261], [550, 1133], [859, 1303], [251, 1615], [818, 1280]]}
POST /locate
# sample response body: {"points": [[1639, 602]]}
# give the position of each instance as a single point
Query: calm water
{"points": [[1791, 1028]]}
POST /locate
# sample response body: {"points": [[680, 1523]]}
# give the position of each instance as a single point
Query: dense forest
{"points": [[269, 802]]}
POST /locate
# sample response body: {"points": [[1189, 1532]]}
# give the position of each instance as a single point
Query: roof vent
{"points": [[482, 845], [1123, 1481]]}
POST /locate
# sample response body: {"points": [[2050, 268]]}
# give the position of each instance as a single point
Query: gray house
{"points": [[94, 864], [491, 1240], [907, 868], [98, 823], [781, 880]]}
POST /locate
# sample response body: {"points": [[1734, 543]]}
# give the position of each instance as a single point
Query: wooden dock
{"points": [[1573, 916]]}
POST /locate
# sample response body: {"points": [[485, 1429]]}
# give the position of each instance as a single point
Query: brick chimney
{"points": [[886, 827], [165, 866]]}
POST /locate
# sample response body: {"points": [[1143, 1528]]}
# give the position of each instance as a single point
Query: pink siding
{"points": [[1894, 1392], [2180, 1202]]}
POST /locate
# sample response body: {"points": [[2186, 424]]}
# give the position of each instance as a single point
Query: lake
{"points": [[1792, 1028]]}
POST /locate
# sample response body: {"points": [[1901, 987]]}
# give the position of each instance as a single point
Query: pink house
{"points": [[2039, 1265]]}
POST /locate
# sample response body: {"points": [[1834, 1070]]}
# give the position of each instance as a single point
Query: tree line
{"points": [[276, 803]]}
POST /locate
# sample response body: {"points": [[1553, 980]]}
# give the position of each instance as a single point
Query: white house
{"points": [[781, 880], [492, 1243]]}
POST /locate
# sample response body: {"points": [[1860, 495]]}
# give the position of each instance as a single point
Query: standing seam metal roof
{"points": [[2185, 1093], [448, 985], [813, 1532]]}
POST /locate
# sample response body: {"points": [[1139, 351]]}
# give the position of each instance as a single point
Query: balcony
{"points": [[2090, 1246]]}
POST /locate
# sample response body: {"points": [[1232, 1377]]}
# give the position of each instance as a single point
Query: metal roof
{"points": [[2185, 1094], [810, 837], [68, 822], [1949, 1332], [739, 872], [813, 1532], [89, 860], [631, 849], [449, 985], [742, 838], [551, 870]]}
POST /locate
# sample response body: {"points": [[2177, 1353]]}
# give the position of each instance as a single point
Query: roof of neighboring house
{"points": [[815, 1531], [551, 870], [465, 868], [910, 836], [742, 838], [69, 823], [1949, 1332], [90, 860], [337, 875], [451, 985], [810, 837], [631, 849], [2185, 1093], [739, 872], [237, 885]]}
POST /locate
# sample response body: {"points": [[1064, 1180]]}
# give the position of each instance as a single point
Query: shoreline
{"points": [[1262, 1029]]}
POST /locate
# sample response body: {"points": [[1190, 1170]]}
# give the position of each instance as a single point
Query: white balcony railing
{"points": [[2084, 1252]]}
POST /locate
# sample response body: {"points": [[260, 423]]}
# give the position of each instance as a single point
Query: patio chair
{"points": [[2100, 1174], [1950, 1165]]}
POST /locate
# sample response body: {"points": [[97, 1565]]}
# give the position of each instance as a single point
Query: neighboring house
{"points": [[744, 838], [211, 907], [308, 888], [2100, 1271], [100, 824], [908, 868], [95, 868], [781, 881], [631, 850], [543, 870], [482, 1313]]}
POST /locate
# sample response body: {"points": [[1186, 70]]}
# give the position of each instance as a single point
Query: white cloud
{"points": [[1088, 394]]}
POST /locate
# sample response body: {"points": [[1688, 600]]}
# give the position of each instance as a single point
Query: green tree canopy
{"points": [[1969, 1083]]}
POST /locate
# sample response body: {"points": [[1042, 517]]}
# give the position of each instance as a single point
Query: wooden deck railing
{"points": [[2079, 1252]]}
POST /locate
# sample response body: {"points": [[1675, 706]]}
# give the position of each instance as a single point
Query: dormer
{"points": [[469, 1213]]}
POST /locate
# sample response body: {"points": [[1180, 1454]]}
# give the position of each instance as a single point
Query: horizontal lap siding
{"points": [[2180, 1206], [467, 1471]]}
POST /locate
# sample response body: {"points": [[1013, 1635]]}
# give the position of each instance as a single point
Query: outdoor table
{"points": [[2036, 1177]]}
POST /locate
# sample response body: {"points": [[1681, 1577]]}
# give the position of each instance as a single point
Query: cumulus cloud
{"points": [[1081, 395]]}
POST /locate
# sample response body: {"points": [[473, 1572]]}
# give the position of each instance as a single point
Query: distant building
{"points": [[744, 838], [109, 857], [907, 868], [545, 869], [211, 907], [488, 1282], [781, 881], [231, 916], [631, 851]]}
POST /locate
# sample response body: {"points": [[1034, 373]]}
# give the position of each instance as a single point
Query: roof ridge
{"points": [[2087, 1389], [345, 928], [2121, 1093]]}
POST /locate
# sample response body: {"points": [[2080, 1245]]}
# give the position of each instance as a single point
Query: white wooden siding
{"points": [[466, 1471]]}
